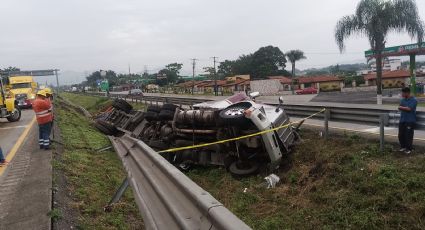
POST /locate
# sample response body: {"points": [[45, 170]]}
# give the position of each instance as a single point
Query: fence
{"points": [[166, 197], [362, 115]]}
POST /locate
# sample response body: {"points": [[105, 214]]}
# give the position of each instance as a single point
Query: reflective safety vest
{"points": [[43, 111]]}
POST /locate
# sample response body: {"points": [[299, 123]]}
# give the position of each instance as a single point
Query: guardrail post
{"points": [[381, 132], [327, 116], [117, 196]]}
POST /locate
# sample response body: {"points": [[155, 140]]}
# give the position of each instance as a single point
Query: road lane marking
{"points": [[17, 145], [14, 127]]}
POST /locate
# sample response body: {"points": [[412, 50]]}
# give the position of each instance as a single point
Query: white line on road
{"points": [[15, 127]]}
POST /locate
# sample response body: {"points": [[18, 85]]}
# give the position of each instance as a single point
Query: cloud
{"points": [[81, 35]]}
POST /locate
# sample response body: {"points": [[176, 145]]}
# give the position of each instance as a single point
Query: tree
{"points": [[266, 61], [225, 69], [209, 72], [93, 78], [375, 19], [173, 71], [294, 56]]}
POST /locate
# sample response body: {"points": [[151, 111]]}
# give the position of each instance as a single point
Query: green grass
{"points": [[94, 104], [92, 177], [344, 183]]}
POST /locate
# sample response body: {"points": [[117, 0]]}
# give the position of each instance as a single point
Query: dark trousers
{"points": [[44, 135], [406, 131]]}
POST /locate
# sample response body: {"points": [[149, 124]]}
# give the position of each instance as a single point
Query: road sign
{"points": [[104, 85], [400, 50]]}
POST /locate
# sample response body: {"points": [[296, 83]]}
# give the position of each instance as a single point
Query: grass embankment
{"points": [[342, 183], [92, 177], [93, 104]]}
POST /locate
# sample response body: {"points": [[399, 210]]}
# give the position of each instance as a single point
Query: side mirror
{"points": [[280, 100], [253, 95]]}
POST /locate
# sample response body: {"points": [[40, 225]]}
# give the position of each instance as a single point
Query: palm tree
{"points": [[376, 19], [294, 56]]}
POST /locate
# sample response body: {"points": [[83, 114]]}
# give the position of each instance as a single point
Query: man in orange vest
{"points": [[43, 112]]}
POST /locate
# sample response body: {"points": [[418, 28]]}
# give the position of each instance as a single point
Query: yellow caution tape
{"points": [[238, 138]]}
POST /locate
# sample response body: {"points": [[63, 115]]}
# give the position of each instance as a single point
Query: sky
{"points": [[81, 36]]}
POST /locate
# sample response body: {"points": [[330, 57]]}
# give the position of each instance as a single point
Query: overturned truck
{"points": [[169, 126]]}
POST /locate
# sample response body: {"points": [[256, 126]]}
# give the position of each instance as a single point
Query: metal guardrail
{"points": [[168, 199], [337, 113]]}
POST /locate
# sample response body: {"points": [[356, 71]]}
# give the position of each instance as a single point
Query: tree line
{"points": [[266, 61]]}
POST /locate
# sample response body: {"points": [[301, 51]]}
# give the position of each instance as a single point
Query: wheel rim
{"points": [[15, 114], [235, 112]]}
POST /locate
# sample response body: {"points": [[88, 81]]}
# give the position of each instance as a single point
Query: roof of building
{"points": [[315, 79], [282, 79], [389, 74], [238, 82]]}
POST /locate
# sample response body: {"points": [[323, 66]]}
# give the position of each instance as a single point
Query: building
{"points": [[387, 65], [284, 81], [322, 83], [394, 79], [240, 77]]}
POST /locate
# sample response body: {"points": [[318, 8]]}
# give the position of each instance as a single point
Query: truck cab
{"points": [[23, 89], [8, 104]]}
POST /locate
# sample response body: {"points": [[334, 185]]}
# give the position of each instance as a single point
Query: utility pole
{"points": [[215, 77], [193, 74]]}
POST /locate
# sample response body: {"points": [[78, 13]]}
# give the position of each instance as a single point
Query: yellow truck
{"points": [[8, 104], [23, 89]]}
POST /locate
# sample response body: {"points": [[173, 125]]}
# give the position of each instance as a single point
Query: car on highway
{"points": [[266, 130], [309, 90], [135, 92]]}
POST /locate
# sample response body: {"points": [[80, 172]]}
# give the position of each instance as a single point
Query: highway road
{"points": [[11, 131]]}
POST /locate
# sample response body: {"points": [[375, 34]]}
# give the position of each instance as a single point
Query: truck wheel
{"points": [[151, 116], [243, 168], [170, 107], [106, 128], [166, 115], [234, 115], [15, 115], [154, 108], [120, 104]]}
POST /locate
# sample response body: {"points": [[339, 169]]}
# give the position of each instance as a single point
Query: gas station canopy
{"points": [[403, 50]]}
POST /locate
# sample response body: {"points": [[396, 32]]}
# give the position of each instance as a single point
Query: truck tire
{"points": [[151, 116], [106, 128], [241, 169], [166, 115], [234, 115], [170, 107], [122, 105], [154, 108], [15, 115]]}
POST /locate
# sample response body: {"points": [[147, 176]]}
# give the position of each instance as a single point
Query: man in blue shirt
{"points": [[407, 122]]}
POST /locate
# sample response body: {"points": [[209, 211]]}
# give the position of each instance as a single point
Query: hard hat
{"points": [[42, 93], [48, 91]]}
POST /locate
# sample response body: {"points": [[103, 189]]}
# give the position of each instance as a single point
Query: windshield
{"points": [[21, 85]]}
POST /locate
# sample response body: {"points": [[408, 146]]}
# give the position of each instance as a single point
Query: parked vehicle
{"points": [[23, 89], [8, 104], [309, 90], [170, 126], [135, 92]]}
